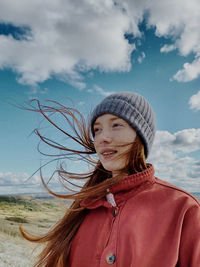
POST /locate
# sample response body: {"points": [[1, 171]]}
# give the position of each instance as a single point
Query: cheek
{"points": [[95, 145], [130, 137], [125, 137]]}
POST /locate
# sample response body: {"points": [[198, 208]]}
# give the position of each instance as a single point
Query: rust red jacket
{"points": [[154, 225]]}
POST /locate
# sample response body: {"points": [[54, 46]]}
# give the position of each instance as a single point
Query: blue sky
{"points": [[85, 50]]}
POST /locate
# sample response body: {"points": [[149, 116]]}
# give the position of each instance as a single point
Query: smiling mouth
{"points": [[108, 154]]}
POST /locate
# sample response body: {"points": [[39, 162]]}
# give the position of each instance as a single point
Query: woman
{"points": [[124, 216]]}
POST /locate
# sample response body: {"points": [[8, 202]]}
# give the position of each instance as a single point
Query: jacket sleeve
{"points": [[189, 253]]}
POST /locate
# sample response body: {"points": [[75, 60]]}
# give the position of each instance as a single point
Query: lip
{"points": [[111, 153]]}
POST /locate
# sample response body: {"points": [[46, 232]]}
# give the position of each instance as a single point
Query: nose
{"points": [[105, 137]]}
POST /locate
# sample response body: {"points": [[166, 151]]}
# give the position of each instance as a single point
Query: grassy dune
{"points": [[36, 216]]}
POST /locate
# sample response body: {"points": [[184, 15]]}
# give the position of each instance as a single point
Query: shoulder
{"points": [[175, 192]]}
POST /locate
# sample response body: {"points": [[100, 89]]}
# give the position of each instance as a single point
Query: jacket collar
{"points": [[128, 187]]}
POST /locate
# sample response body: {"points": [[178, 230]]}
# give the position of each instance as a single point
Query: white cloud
{"points": [[174, 19], [101, 91], [22, 183], [10, 178], [187, 140], [189, 72], [194, 101], [67, 36], [35, 91], [172, 158], [167, 48], [141, 57], [14, 183], [179, 20]]}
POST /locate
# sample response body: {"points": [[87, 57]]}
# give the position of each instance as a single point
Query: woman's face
{"points": [[113, 137]]}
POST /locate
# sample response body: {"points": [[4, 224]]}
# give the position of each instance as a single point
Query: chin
{"points": [[108, 167], [111, 168]]}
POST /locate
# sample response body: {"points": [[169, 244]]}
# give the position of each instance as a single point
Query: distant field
{"points": [[37, 215]]}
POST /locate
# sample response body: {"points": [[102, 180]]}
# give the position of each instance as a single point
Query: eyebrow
{"points": [[111, 119]]}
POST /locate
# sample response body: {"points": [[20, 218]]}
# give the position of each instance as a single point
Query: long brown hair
{"points": [[58, 239]]}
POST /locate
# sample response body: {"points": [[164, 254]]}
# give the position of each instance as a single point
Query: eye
{"points": [[116, 125], [96, 130]]}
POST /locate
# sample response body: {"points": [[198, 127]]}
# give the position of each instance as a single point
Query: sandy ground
{"points": [[16, 252]]}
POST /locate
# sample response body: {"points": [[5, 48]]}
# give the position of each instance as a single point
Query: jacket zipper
{"points": [[111, 227]]}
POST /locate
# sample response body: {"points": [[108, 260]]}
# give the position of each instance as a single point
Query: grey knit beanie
{"points": [[135, 110]]}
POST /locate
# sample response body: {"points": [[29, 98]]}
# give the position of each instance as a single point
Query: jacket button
{"points": [[115, 211], [110, 258]]}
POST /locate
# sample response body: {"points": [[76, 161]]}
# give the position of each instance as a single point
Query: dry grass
{"points": [[36, 215]]}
